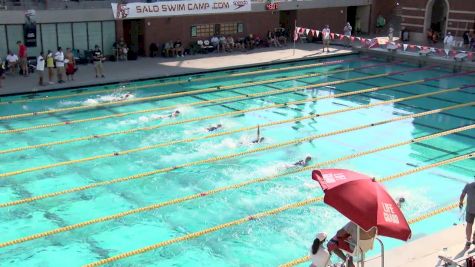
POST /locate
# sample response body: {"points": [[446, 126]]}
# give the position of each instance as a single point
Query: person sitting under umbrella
{"points": [[346, 239]]}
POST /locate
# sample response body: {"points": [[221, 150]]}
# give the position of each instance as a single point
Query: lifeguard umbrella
{"points": [[363, 201]]}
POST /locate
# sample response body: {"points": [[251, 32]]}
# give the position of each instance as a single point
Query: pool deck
{"points": [[424, 252], [147, 68]]}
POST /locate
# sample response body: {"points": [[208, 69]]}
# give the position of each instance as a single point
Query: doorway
{"points": [[134, 35], [351, 16], [287, 20], [437, 12]]}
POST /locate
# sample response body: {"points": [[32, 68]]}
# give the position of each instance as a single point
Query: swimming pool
{"points": [[88, 174]]}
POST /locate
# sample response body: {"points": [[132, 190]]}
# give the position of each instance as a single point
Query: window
{"points": [[208, 30]]}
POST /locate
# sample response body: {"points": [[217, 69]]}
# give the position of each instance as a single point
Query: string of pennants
{"points": [[373, 43]]}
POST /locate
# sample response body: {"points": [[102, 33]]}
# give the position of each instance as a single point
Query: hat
{"points": [[321, 236], [449, 33]]}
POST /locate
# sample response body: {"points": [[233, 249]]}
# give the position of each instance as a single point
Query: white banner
{"points": [[176, 8]]}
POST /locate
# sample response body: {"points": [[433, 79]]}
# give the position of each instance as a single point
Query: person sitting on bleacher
{"points": [[12, 61], [223, 43], [231, 44], [168, 50], [178, 49], [215, 42]]}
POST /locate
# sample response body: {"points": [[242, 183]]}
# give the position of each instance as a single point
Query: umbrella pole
{"points": [[382, 251]]}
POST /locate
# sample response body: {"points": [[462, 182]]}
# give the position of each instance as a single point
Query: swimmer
{"points": [[214, 127], [174, 114], [303, 162], [124, 97], [259, 139], [400, 201]]}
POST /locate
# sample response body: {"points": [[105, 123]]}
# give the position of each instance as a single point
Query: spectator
{"points": [[272, 39], [50, 66], [168, 49], [71, 64], [215, 42], [404, 34], [230, 42], [281, 36], [178, 49], [435, 37], [98, 57], [59, 59], [2, 71], [347, 31], [249, 41], [23, 55], [40, 68], [390, 33], [429, 33], [472, 42], [326, 38], [448, 42], [358, 25], [223, 43], [380, 23], [466, 40], [12, 61], [469, 190], [153, 50], [122, 49]]}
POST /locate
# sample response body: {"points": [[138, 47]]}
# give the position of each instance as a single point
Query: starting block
{"points": [[391, 47], [425, 52]]}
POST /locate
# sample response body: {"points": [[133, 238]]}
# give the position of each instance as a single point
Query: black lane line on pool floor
{"points": [[407, 105], [402, 80], [223, 104], [426, 159]]}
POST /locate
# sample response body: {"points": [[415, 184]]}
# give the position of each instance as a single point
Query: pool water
{"points": [[28, 172]]}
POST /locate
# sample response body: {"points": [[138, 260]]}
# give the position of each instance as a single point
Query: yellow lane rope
{"points": [[160, 84], [238, 222], [226, 113], [195, 119], [272, 92], [134, 150], [411, 221], [163, 170], [192, 92], [222, 189]]}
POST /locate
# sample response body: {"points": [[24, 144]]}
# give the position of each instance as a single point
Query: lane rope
{"points": [[272, 92], [177, 94], [228, 225], [228, 188], [160, 84], [163, 170], [149, 147]]}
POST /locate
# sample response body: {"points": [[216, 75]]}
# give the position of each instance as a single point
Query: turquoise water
{"points": [[272, 240]]}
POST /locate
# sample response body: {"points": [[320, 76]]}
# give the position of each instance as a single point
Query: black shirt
{"points": [[97, 55]]}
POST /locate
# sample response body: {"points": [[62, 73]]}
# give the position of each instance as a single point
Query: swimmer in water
{"points": [[303, 162], [400, 201], [124, 97], [214, 127], [259, 139], [175, 113]]}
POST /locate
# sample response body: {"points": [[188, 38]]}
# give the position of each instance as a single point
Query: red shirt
{"points": [[22, 51]]}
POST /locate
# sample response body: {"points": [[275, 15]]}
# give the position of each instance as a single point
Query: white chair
{"points": [[362, 246]]}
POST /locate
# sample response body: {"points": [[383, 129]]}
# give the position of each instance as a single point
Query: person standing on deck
{"points": [[326, 38], [469, 190]]}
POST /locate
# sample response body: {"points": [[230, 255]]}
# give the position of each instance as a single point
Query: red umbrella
{"points": [[363, 201]]}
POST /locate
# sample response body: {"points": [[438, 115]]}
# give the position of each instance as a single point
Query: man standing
{"points": [[448, 41], [326, 38], [347, 31], [59, 58], [97, 57], [469, 190], [40, 67], [23, 58]]}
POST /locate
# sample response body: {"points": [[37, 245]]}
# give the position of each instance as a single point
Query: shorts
{"points": [[469, 217], [40, 73], [97, 63], [326, 42], [339, 243], [23, 61]]}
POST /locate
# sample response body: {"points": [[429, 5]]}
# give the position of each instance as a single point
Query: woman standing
{"points": [[50, 66], [71, 64], [318, 254]]}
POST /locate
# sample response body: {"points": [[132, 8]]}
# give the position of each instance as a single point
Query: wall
{"points": [[317, 18], [364, 13], [161, 30]]}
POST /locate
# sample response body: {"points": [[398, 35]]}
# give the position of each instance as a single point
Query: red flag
{"points": [[332, 35], [412, 46], [342, 36], [352, 38]]}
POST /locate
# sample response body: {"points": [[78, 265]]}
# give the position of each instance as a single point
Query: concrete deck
{"points": [[146, 68], [424, 252]]}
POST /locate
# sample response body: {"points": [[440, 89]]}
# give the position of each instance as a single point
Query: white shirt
{"points": [[40, 63], [12, 58], [214, 40], [321, 259], [448, 39], [59, 57], [347, 30], [326, 33]]}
